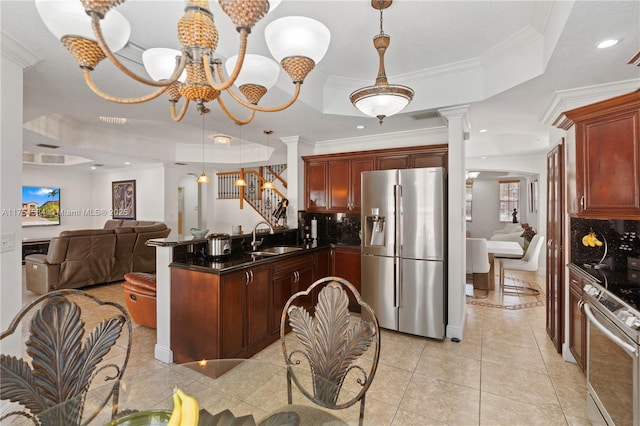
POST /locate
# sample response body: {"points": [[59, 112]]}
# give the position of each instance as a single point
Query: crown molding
{"points": [[565, 100], [16, 52]]}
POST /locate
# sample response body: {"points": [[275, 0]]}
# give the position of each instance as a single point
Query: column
{"points": [[458, 127]]}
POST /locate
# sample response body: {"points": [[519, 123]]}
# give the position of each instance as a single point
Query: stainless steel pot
{"points": [[219, 245]]}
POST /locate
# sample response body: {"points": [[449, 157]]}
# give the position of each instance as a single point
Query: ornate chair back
{"points": [[330, 348], [70, 348]]}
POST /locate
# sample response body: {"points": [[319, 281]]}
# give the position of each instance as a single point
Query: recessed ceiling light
{"points": [[360, 127], [112, 120], [127, 162], [482, 158], [607, 43], [221, 139], [483, 130], [93, 167]]}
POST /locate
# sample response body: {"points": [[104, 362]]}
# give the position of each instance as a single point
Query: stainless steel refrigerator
{"points": [[403, 229]]}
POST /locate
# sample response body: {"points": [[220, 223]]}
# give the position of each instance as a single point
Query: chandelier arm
{"points": [[95, 24], [267, 109], [142, 99], [180, 116], [232, 117], [232, 78]]}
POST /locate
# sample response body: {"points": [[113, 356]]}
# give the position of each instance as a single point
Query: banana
{"points": [[591, 240], [176, 414], [597, 242], [190, 409]]}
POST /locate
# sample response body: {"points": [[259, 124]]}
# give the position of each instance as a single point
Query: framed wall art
{"points": [[123, 196]]}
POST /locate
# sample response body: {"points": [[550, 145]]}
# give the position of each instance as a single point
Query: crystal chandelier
{"points": [[382, 99], [193, 73]]}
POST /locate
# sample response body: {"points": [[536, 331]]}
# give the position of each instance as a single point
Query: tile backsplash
{"points": [[621, 240], [337, 228]]}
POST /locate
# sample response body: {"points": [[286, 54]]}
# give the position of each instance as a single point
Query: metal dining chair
{"points": [[49, 385], [330, 348]]}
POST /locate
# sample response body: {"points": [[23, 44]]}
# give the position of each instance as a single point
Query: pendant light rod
{"points": [[382, 99], [203, 178]]}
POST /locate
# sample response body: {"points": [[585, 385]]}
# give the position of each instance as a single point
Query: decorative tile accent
{"points": [[518, 299]]}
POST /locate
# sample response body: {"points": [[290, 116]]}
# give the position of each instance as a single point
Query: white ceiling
{"points": [[504, 58]]}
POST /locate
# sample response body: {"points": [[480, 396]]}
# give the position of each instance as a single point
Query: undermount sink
{"points": [[276, 250]]}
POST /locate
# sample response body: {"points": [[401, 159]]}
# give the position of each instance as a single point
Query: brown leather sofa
{"points": [[85, 257]]}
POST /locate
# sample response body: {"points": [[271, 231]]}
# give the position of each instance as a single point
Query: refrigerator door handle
{"points": [[397, 204], [399, 283]]}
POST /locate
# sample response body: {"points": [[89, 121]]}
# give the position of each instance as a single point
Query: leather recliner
{"points": [[140, 297], [81, 258]]}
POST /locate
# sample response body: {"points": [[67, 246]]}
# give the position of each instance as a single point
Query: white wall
{"points": [[485, 206], [11, 70], [190, 204], [531, 164], [76, 205], [150, 192]]}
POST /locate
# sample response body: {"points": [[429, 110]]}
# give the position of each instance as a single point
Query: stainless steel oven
{"points": [[613, 369]]}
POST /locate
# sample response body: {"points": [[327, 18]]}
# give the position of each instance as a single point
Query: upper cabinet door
{"points": [[339, 185], [608, 155], [607, 138], [357, 167], [316, 185]]}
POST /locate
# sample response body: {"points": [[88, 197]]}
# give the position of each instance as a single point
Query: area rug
{"points": [[520, 294]]}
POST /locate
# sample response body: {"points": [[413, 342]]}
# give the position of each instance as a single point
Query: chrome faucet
{"points": [[255, 244]]}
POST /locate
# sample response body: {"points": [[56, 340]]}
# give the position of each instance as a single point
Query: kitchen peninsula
{"points": [[230, 307]]}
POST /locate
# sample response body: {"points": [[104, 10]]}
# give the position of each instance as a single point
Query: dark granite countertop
{"points": [[239, 260]]}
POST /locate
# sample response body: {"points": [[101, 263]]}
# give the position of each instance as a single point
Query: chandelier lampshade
{"points": [[159, 62], [93, 30], [382, 99], [298, 43], [257, 69], [63, 17]]}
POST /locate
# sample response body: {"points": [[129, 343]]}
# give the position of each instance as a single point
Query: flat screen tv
{"points": [[40, 206]]}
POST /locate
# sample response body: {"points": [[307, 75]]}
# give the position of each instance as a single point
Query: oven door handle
{"points": [[624, 345]]}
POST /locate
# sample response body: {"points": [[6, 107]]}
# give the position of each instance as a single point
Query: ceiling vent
{"points": [[52, 159], [28, 157], [47, 145], [425, 115]]}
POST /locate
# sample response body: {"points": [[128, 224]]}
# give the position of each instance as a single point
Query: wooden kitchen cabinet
{"points": [[332, 181], [316, 179], [333, 185], [577, 319], [323, 263], [257, 311], [358, 165], [413, 158], [345, 263], [219, 316], [290, 276], [555, 269], [607, 139]]}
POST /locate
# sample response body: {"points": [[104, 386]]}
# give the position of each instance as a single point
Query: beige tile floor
{"points": [[504, 372]]}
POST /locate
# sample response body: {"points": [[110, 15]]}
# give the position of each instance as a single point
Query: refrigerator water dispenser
{"points": [[374, 231]]}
